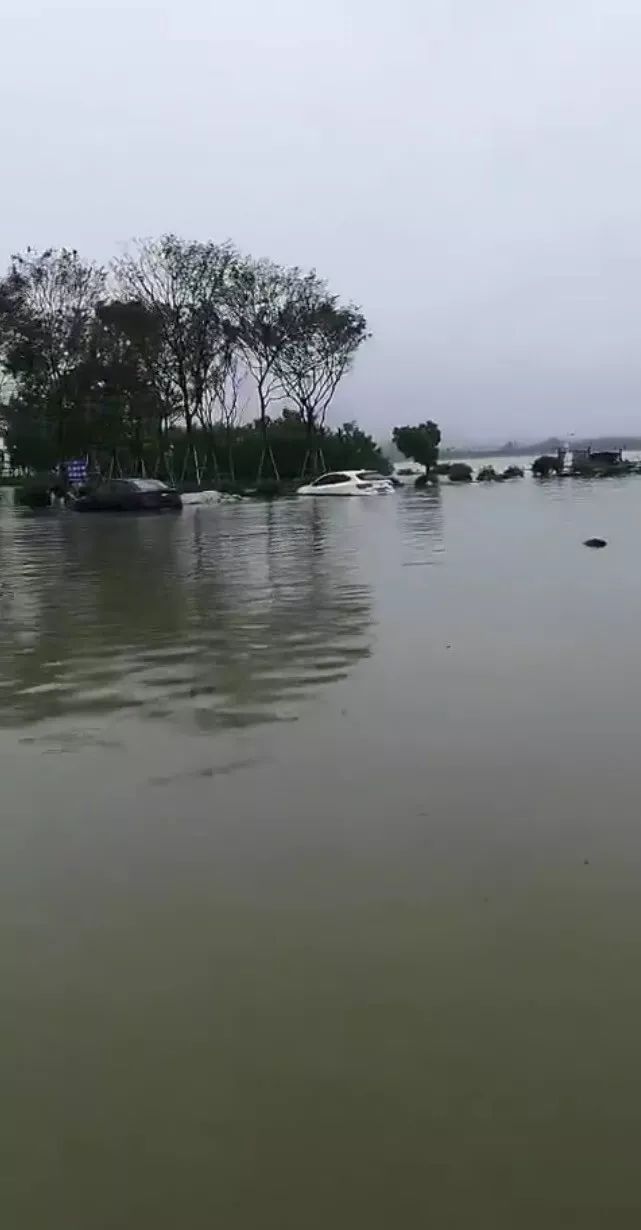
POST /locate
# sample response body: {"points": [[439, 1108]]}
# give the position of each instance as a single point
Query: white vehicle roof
{"points": [[370, 474]]}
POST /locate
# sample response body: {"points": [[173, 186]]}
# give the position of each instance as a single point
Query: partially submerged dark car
{"points": [[129, 495]]}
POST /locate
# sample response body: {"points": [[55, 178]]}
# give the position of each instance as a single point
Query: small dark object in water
{"points": [[595, 542]]}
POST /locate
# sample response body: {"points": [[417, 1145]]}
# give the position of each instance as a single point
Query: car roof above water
{"points": [[362, 473], [140, 484]]}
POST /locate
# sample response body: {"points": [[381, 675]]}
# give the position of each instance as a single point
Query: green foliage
{"points": [[420, 443], [222, 455], [47, 310], [487, 474], [460, 472], [545, 465], [319, 350], [190, 333]]}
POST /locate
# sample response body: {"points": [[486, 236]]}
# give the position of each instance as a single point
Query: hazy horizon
{"points": [[468, 173]]}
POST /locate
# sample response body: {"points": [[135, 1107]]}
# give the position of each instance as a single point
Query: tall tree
{"points": [[231, 399], [186, 287], [131, 408], [318, 353], [47, 306], [420, 443], [266, 316]]}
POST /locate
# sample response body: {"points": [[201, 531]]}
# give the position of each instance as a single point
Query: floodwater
{"points": [[320, 864]]}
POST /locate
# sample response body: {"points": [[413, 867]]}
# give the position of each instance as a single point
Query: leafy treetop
{"points": [[420, 443]]}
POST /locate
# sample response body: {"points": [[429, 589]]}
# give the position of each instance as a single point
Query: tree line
{"points": [[181, 357]]}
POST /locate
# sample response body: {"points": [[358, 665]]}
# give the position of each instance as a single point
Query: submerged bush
{"points": [[543, 466], [460, 472]]}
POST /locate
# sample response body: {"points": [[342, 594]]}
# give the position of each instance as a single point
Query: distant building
{"points": [[586, 458]]}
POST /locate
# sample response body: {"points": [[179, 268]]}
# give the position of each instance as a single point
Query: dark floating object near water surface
{"points": [[595, 542]]}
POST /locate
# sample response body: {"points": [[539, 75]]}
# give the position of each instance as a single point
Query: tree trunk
{"points": [[140, 463], [230, 453], [263, 429], [274, 466], [313, 450], [196, 464], [60, 430]]}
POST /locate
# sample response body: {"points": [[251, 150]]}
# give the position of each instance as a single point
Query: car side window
{"points": [[328, 480], [112, 487]]}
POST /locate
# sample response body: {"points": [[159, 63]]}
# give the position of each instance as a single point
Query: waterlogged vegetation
{"points": [[182, 359], [192, 362]]}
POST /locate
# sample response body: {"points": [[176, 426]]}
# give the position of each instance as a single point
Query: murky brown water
{"points": [[320, 864]]}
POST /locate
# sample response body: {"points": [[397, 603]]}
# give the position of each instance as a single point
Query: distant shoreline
{"points": [[544, 447]]}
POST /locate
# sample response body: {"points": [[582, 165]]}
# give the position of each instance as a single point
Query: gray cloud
{"points": [[468, 170]]}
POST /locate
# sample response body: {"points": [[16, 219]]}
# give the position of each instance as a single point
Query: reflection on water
{"points": [[227, 616], [421, 527]]}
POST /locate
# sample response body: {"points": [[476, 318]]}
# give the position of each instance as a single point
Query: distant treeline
{"points": [[180, 356], [549, 446]]}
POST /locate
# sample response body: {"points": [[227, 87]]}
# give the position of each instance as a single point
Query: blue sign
{"points": [[77, 472]]}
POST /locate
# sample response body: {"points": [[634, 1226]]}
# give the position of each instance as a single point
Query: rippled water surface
{"points": [[320, 864]]}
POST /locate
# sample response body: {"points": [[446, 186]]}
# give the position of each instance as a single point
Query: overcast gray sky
{"points": [[467, 170]]}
